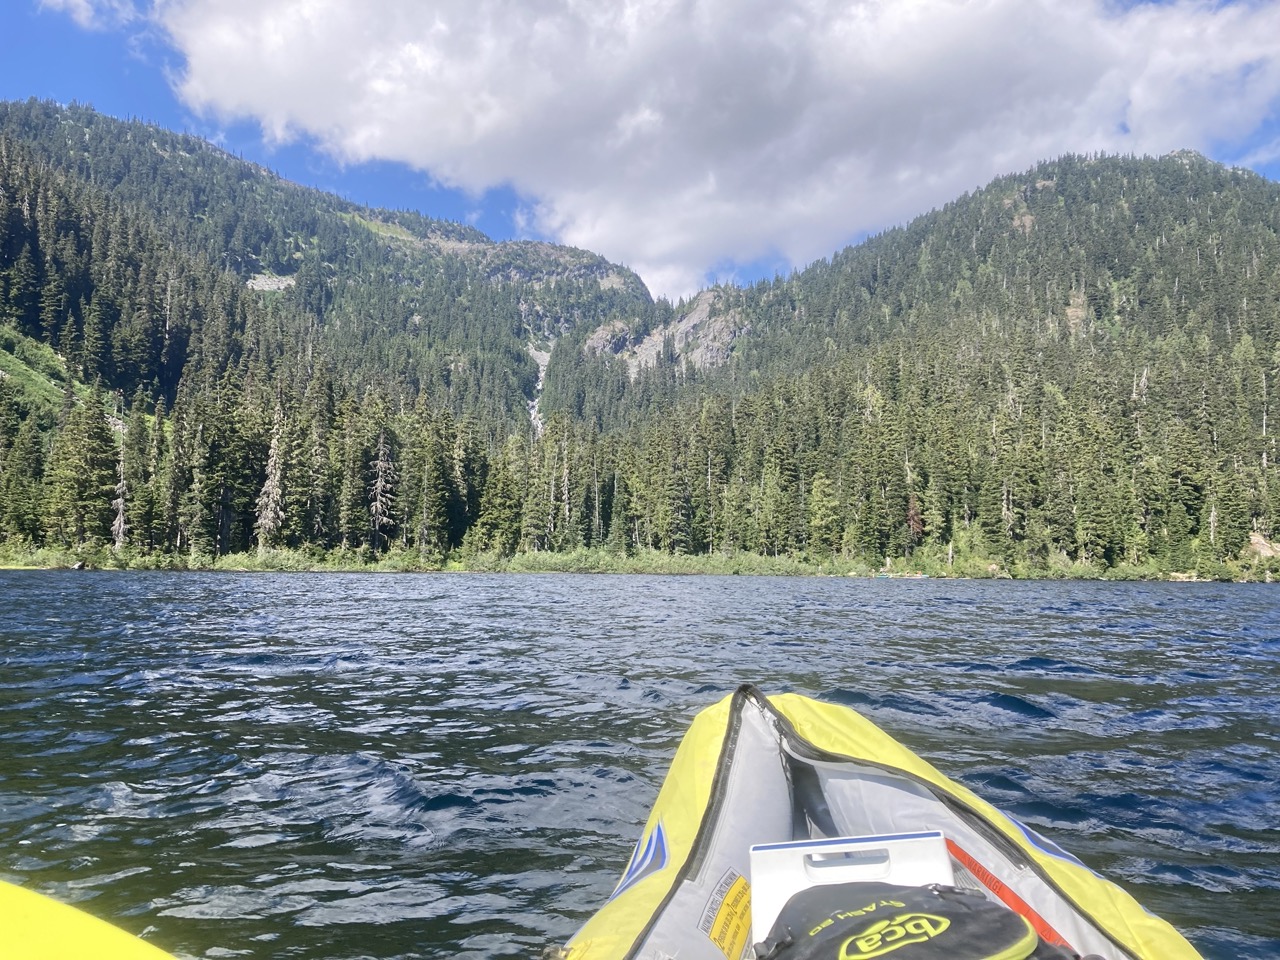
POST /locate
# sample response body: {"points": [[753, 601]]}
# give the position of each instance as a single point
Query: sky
{"points": [[695, 141]]}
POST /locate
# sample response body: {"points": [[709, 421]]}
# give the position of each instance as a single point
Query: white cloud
{"points": [[674, 135]]}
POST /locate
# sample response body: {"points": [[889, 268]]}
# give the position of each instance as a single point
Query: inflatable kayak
{"points": [[35, 927], [790, 829]]}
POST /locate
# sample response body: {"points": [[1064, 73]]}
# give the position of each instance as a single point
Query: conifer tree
{"points": [[82, 476], [621, 539], [498, 525], [138, 463], [825, 524], [270, 506], [119, 508], [21, 475], [382, 493], [432, 516]]}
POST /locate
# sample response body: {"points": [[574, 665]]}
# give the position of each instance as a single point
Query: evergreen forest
{"points": [[1067, 372]]}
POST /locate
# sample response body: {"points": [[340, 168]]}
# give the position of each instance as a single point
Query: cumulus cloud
{"points": [[674, 135]]}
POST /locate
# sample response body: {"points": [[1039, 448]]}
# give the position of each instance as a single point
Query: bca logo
{"points": [[886, 936]]}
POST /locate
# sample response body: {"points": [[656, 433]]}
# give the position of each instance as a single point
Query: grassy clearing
{"points": [[383, 228], [35, 374]]}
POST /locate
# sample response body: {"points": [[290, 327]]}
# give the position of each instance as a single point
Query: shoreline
{"points": [[652, 563]]}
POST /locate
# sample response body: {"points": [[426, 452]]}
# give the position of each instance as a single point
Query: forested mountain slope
{"points": [[393, 297], [1078, 247], [1076, 362], [1071, 369]]}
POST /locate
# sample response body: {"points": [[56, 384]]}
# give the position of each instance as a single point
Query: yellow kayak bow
{"points": [[757, 770], [36, 927]]}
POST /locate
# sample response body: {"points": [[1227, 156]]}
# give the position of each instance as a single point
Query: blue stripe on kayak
{"points": [[1044, 844], [848, 840], [649, 857]]}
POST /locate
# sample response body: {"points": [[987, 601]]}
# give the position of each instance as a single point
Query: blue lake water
{"points": [[377, 766]]}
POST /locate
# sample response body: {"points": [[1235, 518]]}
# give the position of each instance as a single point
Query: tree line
{"points": [[859, 460], [1071, 367]]}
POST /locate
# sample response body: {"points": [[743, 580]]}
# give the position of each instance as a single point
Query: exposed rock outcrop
{"points": [[700, 335]]}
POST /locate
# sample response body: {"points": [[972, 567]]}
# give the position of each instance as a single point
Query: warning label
{"points": [[727, 917]]}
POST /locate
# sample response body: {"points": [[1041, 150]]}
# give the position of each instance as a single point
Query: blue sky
{"points": [[125, 73], [693, 140]]}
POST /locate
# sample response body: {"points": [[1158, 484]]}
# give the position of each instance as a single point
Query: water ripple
{"points": [[350, 766]]}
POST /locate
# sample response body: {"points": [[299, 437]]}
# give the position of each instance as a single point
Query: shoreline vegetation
{"points": [[1248, 569]]}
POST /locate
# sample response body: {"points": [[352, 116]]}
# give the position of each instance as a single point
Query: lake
{"points": [[379, 766]]}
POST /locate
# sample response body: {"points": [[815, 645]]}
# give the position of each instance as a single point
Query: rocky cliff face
{"points": [[704, 334]]}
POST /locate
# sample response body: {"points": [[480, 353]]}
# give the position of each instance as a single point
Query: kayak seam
{"points": [[697, 852]]}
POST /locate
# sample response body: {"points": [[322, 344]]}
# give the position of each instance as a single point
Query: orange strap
{"points": [[1007, 896]]}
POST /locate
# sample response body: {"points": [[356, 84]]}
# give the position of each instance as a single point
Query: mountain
{"points": [[1080, 247], [1070, 370], [389, 296]]}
